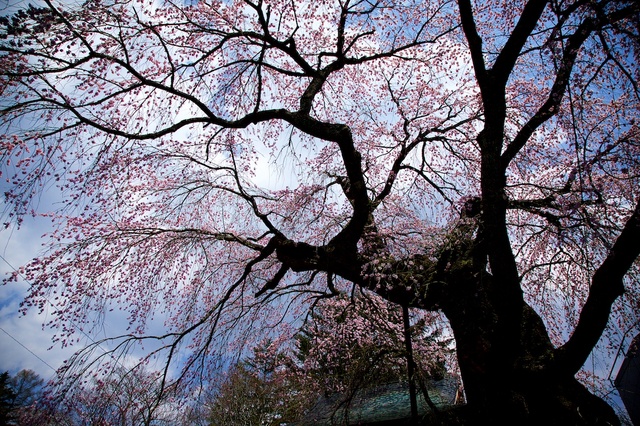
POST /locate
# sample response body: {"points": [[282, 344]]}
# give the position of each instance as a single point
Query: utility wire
{"points": [[29, 350], [71, 321], [112, 394]]}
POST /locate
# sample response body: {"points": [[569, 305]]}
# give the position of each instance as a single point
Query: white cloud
{"points": [[25, 344]]}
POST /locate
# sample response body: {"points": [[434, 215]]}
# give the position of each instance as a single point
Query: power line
{"points": [[97, 344], [29, 350]]}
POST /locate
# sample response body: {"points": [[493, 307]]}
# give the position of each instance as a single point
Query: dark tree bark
{"points": [[512, 372]]}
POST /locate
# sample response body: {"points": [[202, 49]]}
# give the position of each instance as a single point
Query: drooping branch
{"points": [[550, 107], [607, 285], [273, 282], [509, 54], [550, 205]]}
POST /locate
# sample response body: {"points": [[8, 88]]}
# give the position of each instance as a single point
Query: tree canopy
{"points": [[18, 394], [227, 164]]}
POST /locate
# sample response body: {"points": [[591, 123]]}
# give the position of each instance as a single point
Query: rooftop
{"points": [[381, 405]]}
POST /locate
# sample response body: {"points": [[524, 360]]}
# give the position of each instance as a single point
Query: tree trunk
{"points": [[527, 390]]}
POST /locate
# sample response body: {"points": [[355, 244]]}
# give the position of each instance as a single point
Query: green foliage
{"points": [[348, 344], [7, 397], [261, 390], [17, 393]]}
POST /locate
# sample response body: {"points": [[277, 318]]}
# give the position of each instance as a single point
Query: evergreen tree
{"points": [[7, 397]]}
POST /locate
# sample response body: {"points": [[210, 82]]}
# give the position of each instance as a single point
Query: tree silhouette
{"points": [[227, 163], [18, 394], [7, 396]]}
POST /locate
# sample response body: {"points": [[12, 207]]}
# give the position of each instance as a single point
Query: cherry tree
{"points": [[351, 343], [226, 164], [124, 397]]}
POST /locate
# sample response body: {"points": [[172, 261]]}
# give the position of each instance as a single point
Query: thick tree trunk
{"points": [[527, 390], [512, 373], [549, 402], [506, 394]]}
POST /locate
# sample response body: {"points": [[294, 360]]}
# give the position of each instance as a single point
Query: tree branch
{"points": [[474, 40], [606, 286], [551, 106], [511, 51]]}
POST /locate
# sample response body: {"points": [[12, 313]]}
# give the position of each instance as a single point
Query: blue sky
{"points": [[25, 344]]}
